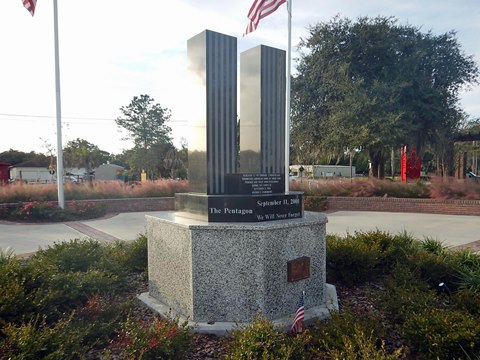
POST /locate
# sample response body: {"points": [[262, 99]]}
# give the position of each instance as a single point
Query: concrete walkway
{"points": [[27, 238], [452, 230]]}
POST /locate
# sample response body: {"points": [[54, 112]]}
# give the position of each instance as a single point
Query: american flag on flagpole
{"points": [[30, 5], [297, 325], [259, 10]]}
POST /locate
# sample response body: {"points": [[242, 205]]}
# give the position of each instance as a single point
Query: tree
{"points": [[376, 85], [80, 153], [16, 157], [145, 123]]}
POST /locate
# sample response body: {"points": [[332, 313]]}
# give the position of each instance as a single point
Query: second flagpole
{"points": [[61, 198], [287, 115]]}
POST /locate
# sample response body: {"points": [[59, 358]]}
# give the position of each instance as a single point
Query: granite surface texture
{"points": [[212, 272]]}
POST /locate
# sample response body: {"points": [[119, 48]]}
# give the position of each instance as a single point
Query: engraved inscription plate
{"points": [[298, 269]]}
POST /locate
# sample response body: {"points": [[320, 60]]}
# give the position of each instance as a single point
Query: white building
{"points": [[322, 171]]}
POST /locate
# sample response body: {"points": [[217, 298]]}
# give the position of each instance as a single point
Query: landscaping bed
{"points": [[77, 300]]}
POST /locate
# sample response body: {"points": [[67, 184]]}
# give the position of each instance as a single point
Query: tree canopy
{"points": [[80, 153], [376, 85], [145, 122]]}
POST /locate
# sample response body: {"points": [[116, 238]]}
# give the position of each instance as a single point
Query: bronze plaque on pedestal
{"points": [[298, 269]]}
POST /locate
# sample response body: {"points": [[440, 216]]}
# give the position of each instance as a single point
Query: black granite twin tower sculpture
{"points": [[227, 185]]}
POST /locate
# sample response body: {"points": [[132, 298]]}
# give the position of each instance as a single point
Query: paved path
{"points": [[27, 238], [452, 230]]}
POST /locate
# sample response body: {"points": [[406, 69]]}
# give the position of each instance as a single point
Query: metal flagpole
{"points": [[287, 120], [61, 199]]}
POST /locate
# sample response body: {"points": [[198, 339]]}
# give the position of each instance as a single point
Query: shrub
{"points": [[49, 211], [468, 301], [361, 345], [315, 203], [132, 257], [73, 255], [78, 293], [56, 280], [365, 255], [405, 293], [434, 268], [37, 340], [329, 334], [261, 340], [162, 339], [351, 334], [437, 333], [16, 291], [350, 261]]}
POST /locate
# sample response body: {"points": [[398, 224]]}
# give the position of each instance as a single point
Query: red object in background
{"points": [[4, 172], [410, 165], [403, 164]]}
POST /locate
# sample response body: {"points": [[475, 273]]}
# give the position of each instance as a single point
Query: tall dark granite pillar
{"points": [[262, 109], [217, 192], [212, 150]]}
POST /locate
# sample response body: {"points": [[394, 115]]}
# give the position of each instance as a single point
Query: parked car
{"points": [[471, 175]]}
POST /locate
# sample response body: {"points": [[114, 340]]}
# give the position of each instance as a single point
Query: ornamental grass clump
{"points": [[21, 192], [362, 188], [450, 188]]}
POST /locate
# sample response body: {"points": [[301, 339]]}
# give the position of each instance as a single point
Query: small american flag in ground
{"points": [[297, 325], [259, 10], [30, 5]]}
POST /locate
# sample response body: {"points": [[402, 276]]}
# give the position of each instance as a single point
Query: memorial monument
{"points": [[238, 243]]}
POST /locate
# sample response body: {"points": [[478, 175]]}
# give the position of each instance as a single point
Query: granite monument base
{"points": [[219, 275]]}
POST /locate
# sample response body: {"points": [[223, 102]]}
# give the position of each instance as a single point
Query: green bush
{"points": [[330, 334], [37, 340], [434, 269], [405, 293], [16, 291], [359, 345], [261, 340], [55, 280], [78, 291], [165, 338], [467, 300], [437, 333], [73, 255], [131, 256], [365, 256], [350, 262]]}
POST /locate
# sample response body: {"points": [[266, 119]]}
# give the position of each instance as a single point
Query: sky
{"points": [[113, 50]]}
